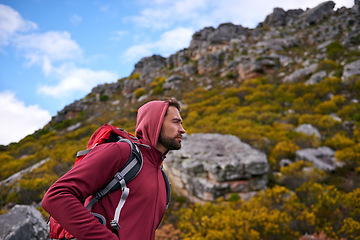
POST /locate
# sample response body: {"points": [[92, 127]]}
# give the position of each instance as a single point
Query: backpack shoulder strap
{"points": [[131, 168], [168, 187]]}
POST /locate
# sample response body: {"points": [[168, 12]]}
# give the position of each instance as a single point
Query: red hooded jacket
{"points": [[146, 203]]}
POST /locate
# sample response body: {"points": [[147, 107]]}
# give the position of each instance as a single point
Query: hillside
{"points": [[296, 67]]}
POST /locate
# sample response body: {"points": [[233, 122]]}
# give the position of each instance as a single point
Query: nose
{"points": [[182, 130]]}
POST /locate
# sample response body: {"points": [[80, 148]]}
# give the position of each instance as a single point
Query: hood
{"points": [[149, 121]]}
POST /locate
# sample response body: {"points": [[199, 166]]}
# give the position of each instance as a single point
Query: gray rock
{"points": [[212, 165], [210, 62], [316, 15], [278, 43], [300, 74], [23, 222], [188, 69], [74, 127], [225, 32], [173, 78], [172, 82], [316, 78], [308, 129], [322, 157], [280, 18], [357, 6], [264, 63], [350, 70], [130, 85], [149, 65], [177, 59]]}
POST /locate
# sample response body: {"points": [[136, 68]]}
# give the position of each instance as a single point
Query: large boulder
{"points": [[209, 166], [23, 222]]}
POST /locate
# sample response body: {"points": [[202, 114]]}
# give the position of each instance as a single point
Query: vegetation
{"points": [[139, 92]]}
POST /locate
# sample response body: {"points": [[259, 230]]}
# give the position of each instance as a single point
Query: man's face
{"points": [[171, 131]]}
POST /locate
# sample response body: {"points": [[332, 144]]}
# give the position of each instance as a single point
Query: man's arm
{"points": [[64, 199]]}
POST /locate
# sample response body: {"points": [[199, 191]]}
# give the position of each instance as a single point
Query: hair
{"points": [[173, 102]]}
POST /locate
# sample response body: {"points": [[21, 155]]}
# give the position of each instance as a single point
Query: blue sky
{"points": [[54, 52]]}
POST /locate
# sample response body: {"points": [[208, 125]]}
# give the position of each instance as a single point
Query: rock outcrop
{"points": [[308, 129], [23, 222], [316, 15], [148, 65], [280, 18], [209, 166], [350, 70], [321, 158]]}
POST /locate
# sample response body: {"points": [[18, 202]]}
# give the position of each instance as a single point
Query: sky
{"points": [[54, 52]]}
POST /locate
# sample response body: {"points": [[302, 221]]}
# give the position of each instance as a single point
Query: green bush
{"points": [[157, 85], [335, 50], [327, 65], [104, 97], [135, 76], [139, 92]]}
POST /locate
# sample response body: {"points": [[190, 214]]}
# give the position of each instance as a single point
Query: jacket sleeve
{"points": [[65, 198]]}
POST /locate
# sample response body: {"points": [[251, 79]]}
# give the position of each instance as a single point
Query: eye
{"points": [[177, 121]]}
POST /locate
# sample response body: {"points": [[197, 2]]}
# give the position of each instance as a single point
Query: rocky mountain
{"points": [[232, 51], [253, 100]]}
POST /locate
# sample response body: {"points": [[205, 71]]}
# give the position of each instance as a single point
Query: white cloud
{"points": [[18, 120], [168, 43], [165, 14], [174, 40], [44, 48], [11, 23], [137, 51], [75, 80]]}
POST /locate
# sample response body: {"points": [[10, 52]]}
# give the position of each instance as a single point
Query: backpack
{"points": [[105, 134]]}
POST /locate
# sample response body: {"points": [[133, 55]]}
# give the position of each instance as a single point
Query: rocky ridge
{"points": [[238, 53]]}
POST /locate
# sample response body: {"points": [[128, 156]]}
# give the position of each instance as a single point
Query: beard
{"points": [[169, 143]]}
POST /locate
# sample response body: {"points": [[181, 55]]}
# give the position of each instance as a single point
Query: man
{"points": [[159, 125]]}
